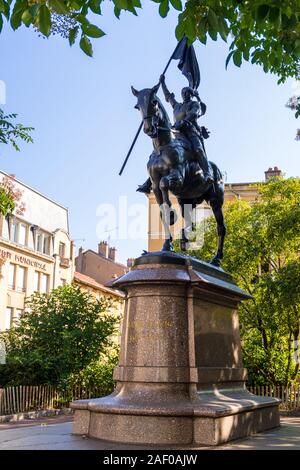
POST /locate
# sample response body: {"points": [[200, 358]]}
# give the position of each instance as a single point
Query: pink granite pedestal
{"points": [[180, 379]]}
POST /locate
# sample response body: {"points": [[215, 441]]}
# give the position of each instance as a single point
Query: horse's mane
{"points": [[164, 113]]}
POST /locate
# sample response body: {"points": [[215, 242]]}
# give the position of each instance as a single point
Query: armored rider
{"points": [[185, 122]]}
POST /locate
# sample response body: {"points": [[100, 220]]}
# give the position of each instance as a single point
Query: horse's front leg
{"points": [[172, 181], [186, 232], [221, 229], [167, 246]]}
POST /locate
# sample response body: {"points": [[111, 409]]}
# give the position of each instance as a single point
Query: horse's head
{"points": [[151, 110]]}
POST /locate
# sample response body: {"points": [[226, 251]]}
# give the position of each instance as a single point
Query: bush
{"points": [[59, 334], [96, 379]]}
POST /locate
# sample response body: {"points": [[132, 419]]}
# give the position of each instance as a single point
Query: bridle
{"points": [[154, 122]]}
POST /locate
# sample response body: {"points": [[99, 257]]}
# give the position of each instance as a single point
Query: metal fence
{"points": [[43, 397]]}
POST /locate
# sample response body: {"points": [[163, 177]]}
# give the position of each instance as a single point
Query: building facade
{"points": [[98, 290], [36, 252], [245, 191], [100, 266]]}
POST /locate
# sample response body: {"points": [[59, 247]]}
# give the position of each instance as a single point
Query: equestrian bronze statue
{"points": [[178, 163]]}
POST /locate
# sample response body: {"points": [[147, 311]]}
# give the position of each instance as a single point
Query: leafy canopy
{"points": [[294, 104], [59, 334], [262, 253], [10, 132], [10, 198], [265, 32]]}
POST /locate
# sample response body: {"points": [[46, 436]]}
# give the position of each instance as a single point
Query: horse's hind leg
{"points": [[221, 229]]}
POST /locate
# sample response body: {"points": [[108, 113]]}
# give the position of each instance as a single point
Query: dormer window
{"points": [[43, 242]]}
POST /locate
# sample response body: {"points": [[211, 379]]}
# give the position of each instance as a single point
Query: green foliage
{"points": [[86, 45], [98, 375], [262, 253], [59, 334], [10, 133], [10, 198], [294, 104], [7, 204], [265, 32]]}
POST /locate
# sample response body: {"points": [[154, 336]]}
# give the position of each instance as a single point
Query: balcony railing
{"points": [[64, 262]]}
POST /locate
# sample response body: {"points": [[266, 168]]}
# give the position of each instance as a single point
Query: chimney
{"points": [[112, 253], [272, 173], [103, 249], [79, 261], [130, 262]]}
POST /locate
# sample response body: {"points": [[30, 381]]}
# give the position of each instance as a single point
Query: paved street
{"points": [[55, 434]]}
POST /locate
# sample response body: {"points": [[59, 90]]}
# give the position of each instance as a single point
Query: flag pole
{"points": [[131, 147], [141, 125]]}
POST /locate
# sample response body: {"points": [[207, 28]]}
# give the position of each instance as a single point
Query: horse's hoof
{"points": [[183, 245], [167, 246]]}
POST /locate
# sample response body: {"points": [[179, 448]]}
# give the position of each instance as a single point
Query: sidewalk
{"points": [[50, 434]]}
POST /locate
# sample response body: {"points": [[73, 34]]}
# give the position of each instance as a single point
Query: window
{"points": [[18, 232], [22, 234], [5, 232], [21, 278], [8, 317], [62, 250], [11, 276], [43, 243], [18, 313], [46, 245], [36, 281], [41, 282], [44, 284], [13, 232], [39, 242]]}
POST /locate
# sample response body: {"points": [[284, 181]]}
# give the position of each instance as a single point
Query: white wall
{"points": [[41, 211]]}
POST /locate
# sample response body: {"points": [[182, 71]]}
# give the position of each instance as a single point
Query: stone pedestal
{"points": [[180, 379]]}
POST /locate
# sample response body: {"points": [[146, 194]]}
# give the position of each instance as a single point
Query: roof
{"points": [[243, 184], [14, 179], [105, 258], [89, 281]]}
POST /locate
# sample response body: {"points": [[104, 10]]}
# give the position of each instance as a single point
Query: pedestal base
{"points": [[180, 379], [210, 419]]}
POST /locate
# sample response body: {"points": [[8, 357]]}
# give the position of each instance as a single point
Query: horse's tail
{"points": [[218, 177]]}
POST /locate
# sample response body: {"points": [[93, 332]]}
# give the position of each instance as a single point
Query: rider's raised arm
{"points": [[193, 112], [169, 97]]}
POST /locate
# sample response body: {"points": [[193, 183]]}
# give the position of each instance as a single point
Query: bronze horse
{"points": [[171, 169]]}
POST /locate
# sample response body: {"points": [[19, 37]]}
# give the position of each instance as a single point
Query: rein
{"points": [[167, 129]]}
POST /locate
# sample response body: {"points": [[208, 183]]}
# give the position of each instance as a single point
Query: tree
{"points": [[10, 198], [59, 334], [294, 104], [262, 253], [9, 132], [267, 32]]}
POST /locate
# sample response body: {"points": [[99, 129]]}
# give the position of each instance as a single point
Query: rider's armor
{"points": [[185, 123], [185, 118]]}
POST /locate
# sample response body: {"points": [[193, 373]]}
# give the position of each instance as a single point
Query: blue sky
{"points": [[84, 116]]}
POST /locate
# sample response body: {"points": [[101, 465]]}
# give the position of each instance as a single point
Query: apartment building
{"points": [[36, 252]]}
